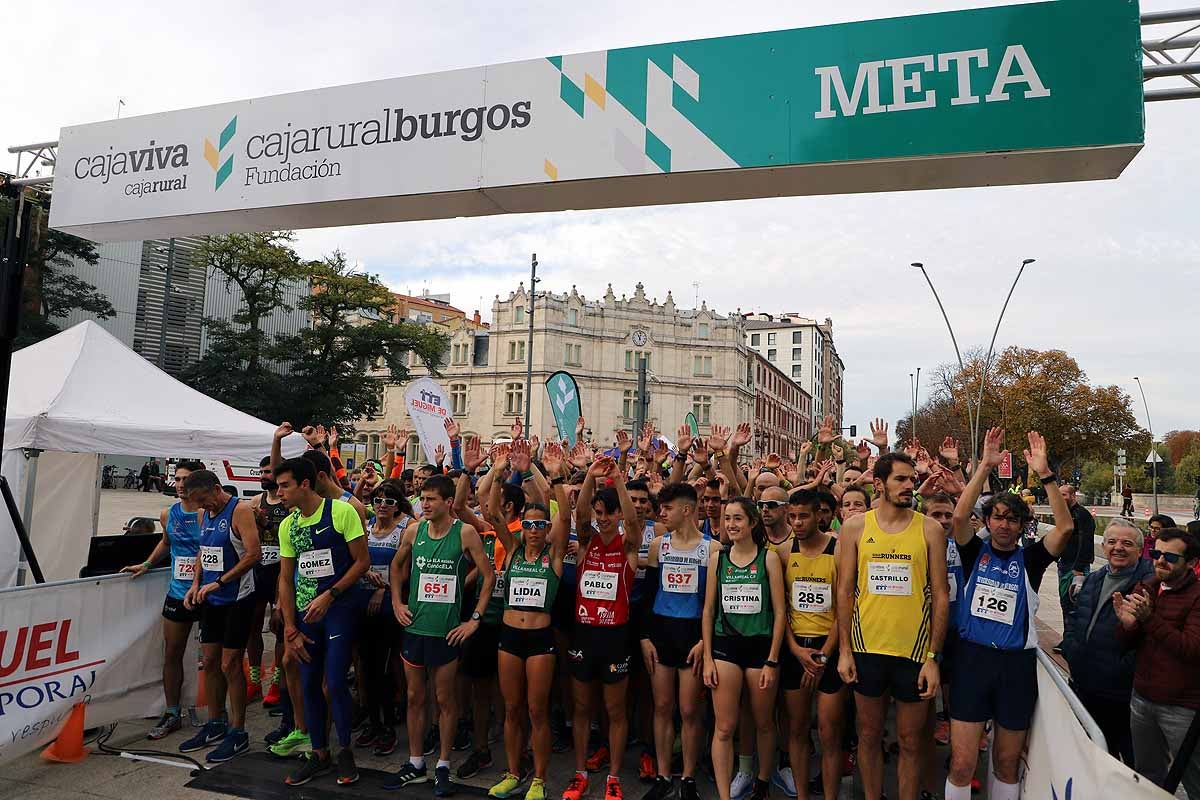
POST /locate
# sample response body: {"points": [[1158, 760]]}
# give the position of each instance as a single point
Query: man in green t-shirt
{"points": [[323, 554]]}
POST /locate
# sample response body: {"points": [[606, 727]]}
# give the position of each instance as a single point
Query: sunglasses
{"points": [[1172, 558], [535, 524], [772, 504], [387, 502]]}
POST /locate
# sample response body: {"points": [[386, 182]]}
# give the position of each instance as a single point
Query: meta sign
{"points": [[1018, 94]]}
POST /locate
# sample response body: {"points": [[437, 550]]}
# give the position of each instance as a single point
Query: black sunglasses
{"points": [[535, 524], [1172, 558]]}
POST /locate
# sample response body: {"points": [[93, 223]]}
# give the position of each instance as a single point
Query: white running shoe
{"points": [[785, 781], [743, 784]]}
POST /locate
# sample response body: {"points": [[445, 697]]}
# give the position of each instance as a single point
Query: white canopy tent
{"points": [[80, 394]]}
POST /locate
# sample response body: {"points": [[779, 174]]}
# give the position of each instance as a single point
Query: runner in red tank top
{"points": [[600, 651]]}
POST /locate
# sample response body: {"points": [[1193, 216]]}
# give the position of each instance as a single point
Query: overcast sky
{"points": [[1117, 269]]}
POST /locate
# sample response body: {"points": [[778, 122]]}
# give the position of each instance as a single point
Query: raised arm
{"points": [[1038, 459], [283, 431], [993, 454]]}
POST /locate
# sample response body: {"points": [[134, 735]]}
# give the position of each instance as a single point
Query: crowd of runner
{"points": [[677, 595]]}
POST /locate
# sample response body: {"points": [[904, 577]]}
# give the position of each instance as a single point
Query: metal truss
{"points": [[1173, 59]]}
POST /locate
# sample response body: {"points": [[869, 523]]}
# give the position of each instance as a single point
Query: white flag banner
{"points": [[93, 640], [429, 407], [1063, 763]]}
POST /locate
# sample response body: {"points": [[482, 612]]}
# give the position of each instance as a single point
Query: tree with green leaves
{"points": [[338, 368]]}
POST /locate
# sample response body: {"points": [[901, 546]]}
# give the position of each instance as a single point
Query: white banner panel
{"points": [[429, 408], [1062, 763], [97, 641]]}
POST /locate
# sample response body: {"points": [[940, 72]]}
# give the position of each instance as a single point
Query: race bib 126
{"points": [[994, 603]]}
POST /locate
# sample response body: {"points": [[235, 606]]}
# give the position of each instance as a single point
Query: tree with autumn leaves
{"points": [[1026, 389]]}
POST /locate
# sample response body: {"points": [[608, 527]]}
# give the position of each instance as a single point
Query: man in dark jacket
{"points": [[1102, 670], [1076, 561], [1160, 619]]}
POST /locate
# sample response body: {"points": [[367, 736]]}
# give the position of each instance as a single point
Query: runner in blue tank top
{"points": [[995, 674], [223, 589], [180, 543], [672, 635]]}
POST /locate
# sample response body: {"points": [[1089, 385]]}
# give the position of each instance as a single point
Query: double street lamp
{"points": [[973, 415]]}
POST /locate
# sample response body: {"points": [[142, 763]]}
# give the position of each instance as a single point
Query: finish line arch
{"points": [[980, 97]]}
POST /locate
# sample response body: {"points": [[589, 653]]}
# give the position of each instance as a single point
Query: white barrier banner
{"points": [[95, 640], [1063, 763], [429, 407]]}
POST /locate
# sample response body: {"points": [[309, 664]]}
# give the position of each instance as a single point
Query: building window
{"points": [[702, 365], [631, 359], [770, 338], [514, 398], [458, 398], [516, 351], [771, 354], [797, 337], [629, 404], [797, 353], [702, 330], [573, 354], [573, 317], [702, 408], [797, 370], [518, 314], [461, 353], [755, 338]]}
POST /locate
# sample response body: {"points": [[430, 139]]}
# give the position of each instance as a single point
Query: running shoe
{"points": [[253, 692], [236, 743], [433, 740], [368, 737], [660, 789], [407, 775], [537, 790], [761, 790], [478, 760], [688, 789], [577, 788], [212, 732], [785, 781], [278, 735], [598, 760], [347, 770], [462, 737], [505, 788], [743, 784], [385, 744], [612, 789], [647, 769], [562, 741], [272, 697], [295, 743], [167, 724], [311, 766], [442, 787]]}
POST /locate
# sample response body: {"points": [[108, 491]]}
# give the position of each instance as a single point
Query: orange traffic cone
{"points": [[68, 747]]}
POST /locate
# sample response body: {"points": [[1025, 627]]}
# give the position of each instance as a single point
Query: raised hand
{"points": [[805, 448], [602, 467], [839, 452], [333, 437], [499, 455], [552, 458], [516, 429], [701, 452], [825, 433], [535, 445], [1038, 455], [472, 454], [772, 461], [912, 448], [993, 449], [949, 481], [741, 436], [518, 455], [580, 455], [654, 482], [949, 451], [924, 460], [683, 439], [283, 431], [645, 438], [791, 472], [388, 439], [863, 450], [879, 434], [579, 426], [452, 429], [624, 443], [314, 437], [718, 439], [439, 455]]}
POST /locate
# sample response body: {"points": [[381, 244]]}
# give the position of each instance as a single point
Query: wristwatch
{"points": [[335, 592], [476, 616], [770, 663], [936, 657]]}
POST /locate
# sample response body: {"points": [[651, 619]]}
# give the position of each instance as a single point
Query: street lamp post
{"points": [[533, 282], [973, 413], [162, 331], [1153, 449], [915, 385]]}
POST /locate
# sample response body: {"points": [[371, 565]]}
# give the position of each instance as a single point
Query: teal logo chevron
{"points": [[212, 153]]}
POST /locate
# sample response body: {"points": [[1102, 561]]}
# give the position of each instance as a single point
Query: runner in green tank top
{"points": [[439, 552], [531, 585], [745, 616]]}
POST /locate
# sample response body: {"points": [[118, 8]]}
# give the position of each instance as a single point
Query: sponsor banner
{"points": [[429, 408], [96, 641], [1006, 471], [563, 390], [1028, 93], [1061, 762]]}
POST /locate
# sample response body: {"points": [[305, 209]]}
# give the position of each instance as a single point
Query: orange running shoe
{"points": [[647, 770], [598, 760], [576, 788], [941, 732], [272, 697], [612, 789], [253, 692]]}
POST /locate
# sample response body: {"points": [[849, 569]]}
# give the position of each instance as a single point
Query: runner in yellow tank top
{"points": [[892, 602]]}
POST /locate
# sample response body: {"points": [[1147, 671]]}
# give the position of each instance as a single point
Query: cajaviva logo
{"points": [[212, 154]]}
